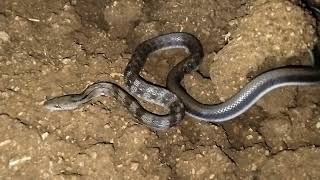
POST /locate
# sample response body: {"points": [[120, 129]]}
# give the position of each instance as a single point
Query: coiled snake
{"points": [[176, 100], [140, 88]]}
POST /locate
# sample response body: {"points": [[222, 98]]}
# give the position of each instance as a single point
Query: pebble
{"points": [[4, 36], [318, 125]]}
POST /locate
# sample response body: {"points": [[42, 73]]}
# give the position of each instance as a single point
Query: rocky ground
{"points": [[50, 48]]}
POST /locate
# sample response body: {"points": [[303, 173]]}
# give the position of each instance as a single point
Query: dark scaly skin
{"points": [[247, 96], [139, 87]]}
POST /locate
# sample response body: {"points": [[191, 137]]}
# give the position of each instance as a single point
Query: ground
{"points": [[50, 48]]}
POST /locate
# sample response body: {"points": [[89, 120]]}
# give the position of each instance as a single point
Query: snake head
{"points": [[61, 103]]}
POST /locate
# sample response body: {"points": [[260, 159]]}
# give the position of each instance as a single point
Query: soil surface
{"points": [[50, 48]]}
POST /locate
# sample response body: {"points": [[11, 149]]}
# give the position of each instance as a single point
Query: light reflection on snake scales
{"points": [[254, 90], [139, 87]]}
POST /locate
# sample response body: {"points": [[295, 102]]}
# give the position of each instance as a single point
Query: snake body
{"points": [[247, 96], [156, 122], [176, 100], [139, 87]]}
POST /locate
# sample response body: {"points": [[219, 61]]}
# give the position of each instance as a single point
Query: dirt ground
{"points": [[50, 48]]}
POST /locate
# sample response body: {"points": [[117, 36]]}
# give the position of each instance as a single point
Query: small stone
{"points": [[44, 135], [249, 137], [318, 125], [13, 162], [134, 166], [3, 143], [4, 36]]}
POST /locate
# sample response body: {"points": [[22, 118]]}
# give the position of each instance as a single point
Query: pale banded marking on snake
{"points": [[239, 103], [133, 107], [138, 87]]}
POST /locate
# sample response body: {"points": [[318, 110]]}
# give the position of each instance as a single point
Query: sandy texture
{"points": [[272, 31], [50, 48]]}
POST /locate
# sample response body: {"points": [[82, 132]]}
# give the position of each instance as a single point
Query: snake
{"points": [[136, 87], [175, 99]]}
